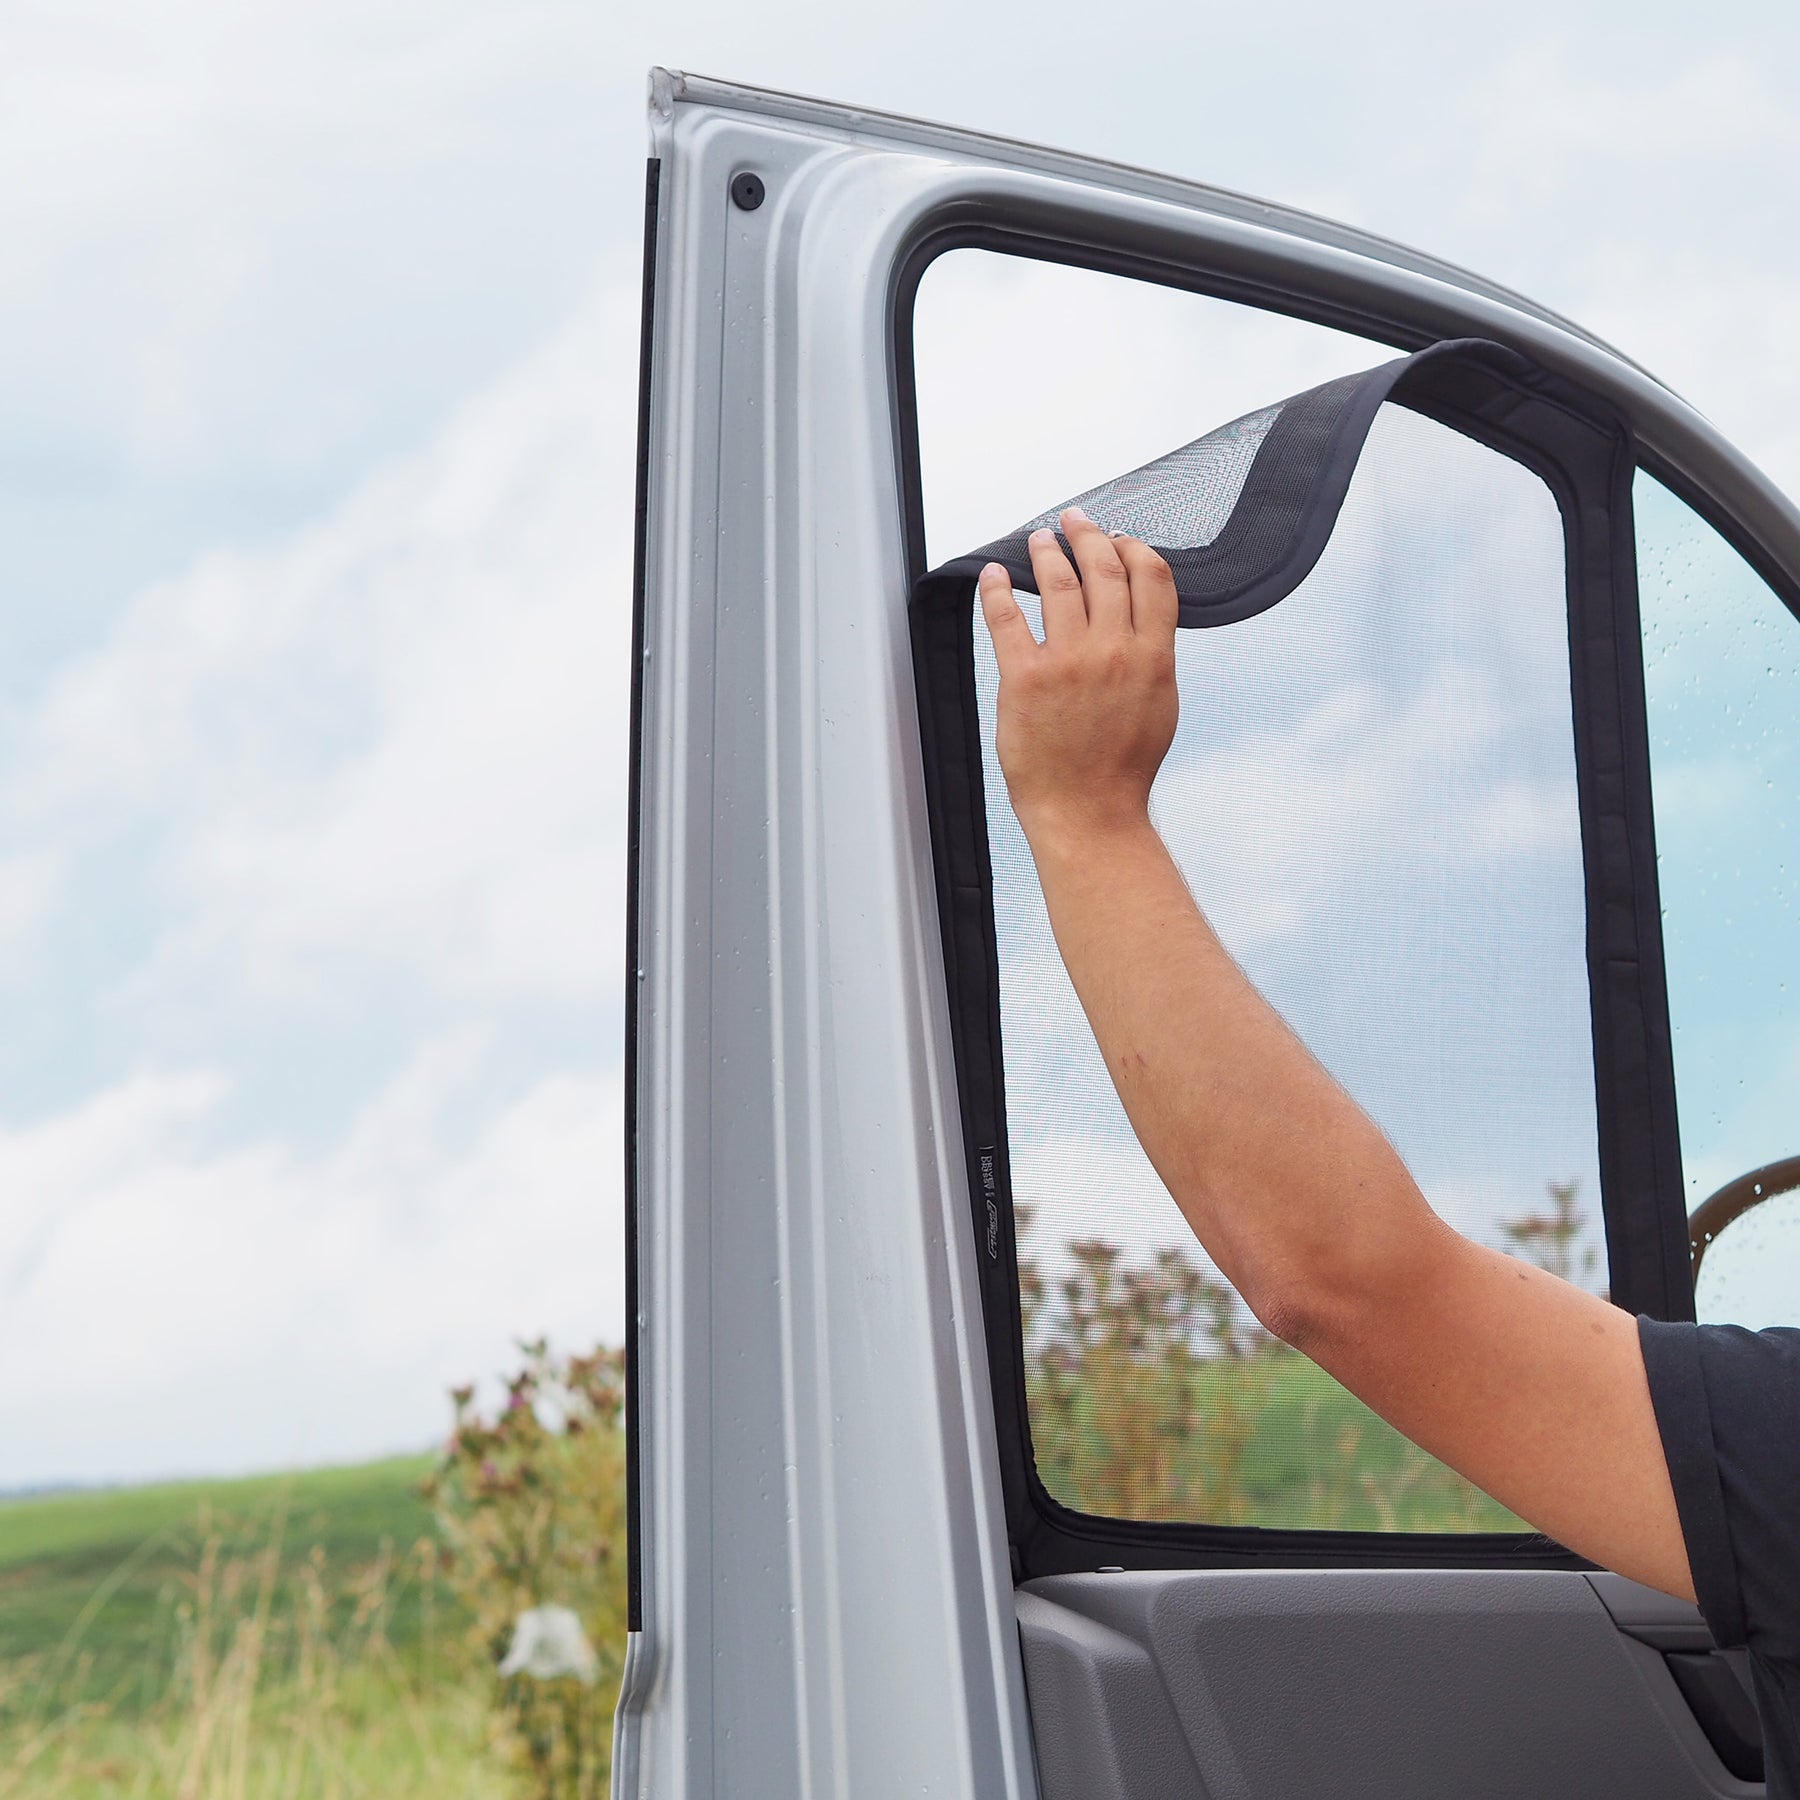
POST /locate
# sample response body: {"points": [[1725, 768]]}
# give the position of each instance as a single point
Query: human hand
{"points": [[1087, 716]]}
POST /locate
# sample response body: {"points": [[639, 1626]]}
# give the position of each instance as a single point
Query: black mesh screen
{"points": [[1410, 788], [1180, 501], [1372, 794]]}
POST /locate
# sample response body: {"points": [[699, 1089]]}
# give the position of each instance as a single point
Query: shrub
{"points": [[1143, 1383], [531, 1503], [1154, 1395]]}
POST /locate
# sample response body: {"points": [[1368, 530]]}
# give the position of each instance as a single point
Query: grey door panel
{"points": [[1717, 1684], [1102, 1717], [1348, 1683]]}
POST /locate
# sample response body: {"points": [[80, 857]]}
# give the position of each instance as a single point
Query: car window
{"points": [[1372, 793], [1722, 690]]}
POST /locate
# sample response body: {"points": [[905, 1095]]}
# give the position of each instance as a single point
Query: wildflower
{"points": [[547, 1642]]}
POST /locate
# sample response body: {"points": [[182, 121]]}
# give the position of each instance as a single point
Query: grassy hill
{"points": [[94, 1585], [283, 1634]]}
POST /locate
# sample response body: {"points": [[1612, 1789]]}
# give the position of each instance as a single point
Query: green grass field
{"points": [[93, 1579], [234, 1639], [99, 1572], [1318, 1459]]}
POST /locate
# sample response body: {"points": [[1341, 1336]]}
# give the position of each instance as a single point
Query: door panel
{"points": [[1364, 1686], [827, 1599]]}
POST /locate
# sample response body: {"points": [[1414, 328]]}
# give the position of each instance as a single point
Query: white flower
{"points": [[547, 1642]]}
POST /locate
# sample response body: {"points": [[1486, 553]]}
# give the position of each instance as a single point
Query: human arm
{"points": [[1528, 1386]]}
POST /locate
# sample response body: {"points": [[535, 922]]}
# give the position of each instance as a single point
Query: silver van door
{"points": [[953, 1472]]}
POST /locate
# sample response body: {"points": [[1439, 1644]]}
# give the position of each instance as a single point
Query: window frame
{"points": [[1639, 1148]]}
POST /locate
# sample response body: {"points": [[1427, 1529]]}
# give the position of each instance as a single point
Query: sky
{"points": [[317, 381]]}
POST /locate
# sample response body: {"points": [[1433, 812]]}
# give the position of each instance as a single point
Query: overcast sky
{"points": [[317, 363]]}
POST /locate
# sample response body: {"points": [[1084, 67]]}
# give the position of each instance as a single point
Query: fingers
{"points": [[1155, 606], [1006, 624], [1065, 612], [1123, 585], [1103, 578]]}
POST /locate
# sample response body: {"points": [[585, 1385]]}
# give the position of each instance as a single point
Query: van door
{"points": [[956, 1469]]}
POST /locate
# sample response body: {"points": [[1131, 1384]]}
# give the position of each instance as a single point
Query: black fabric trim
{"points": [[634, 1568], [1583, 450], [1648, 1258], [1284, 516]]}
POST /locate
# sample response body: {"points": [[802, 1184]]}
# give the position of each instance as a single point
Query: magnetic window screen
{"points": [[1372, 794], [1722, 688]]}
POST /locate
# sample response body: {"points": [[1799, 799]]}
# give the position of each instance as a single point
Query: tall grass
{"points": [[273, 1676], [292, 1648]]}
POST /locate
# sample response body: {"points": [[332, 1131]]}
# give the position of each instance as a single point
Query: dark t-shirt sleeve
{"points": [[1727, 1404]]}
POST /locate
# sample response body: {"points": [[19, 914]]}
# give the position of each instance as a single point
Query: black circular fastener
{"points": [[747, 191]]}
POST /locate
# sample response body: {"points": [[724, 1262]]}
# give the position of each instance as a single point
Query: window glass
{"points": [[1372, 793], [1722, 682]]}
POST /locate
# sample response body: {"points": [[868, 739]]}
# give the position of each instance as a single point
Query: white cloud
{"points": [[1702, 793], [1638, 204], [28, 888], [1278, 824], [1540, 112], [391, 749], [176, 1303], [1037, 382], [1519, 818], [218, 220], [400, 735], [1090, 1180], [1717, 326]]}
